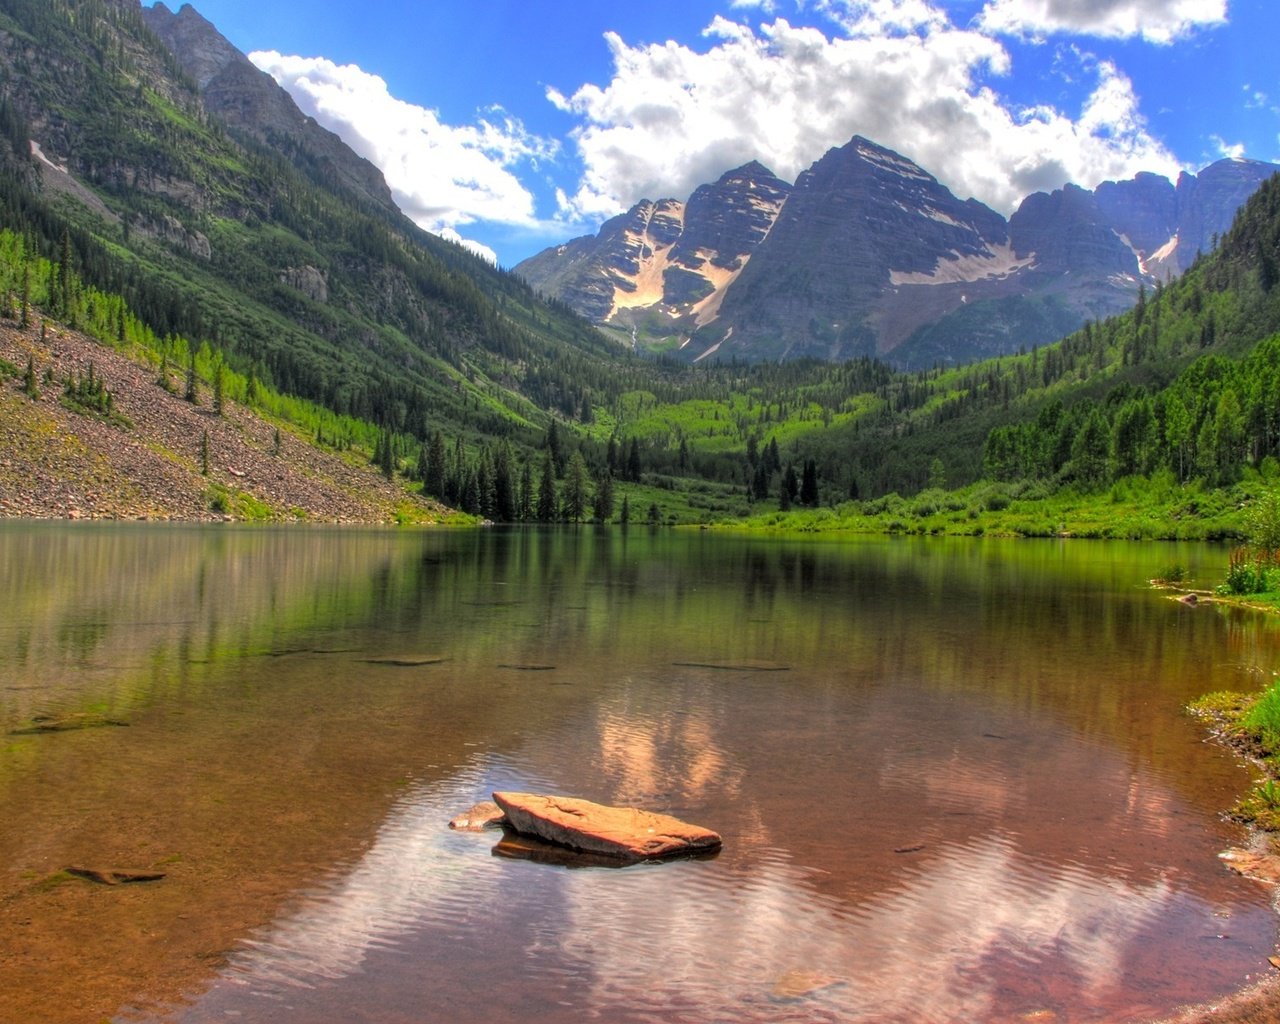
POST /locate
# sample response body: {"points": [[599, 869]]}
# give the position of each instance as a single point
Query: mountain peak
{"points": [[749, 170]]}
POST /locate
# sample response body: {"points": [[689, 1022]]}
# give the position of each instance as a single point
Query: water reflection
{"points": [[953, 937], [965, 789]]}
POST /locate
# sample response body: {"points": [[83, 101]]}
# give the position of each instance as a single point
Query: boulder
{"points": [[628, 833]]}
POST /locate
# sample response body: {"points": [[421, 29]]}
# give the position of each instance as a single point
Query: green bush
{"points": [[1247, 574], [1263, 719]]}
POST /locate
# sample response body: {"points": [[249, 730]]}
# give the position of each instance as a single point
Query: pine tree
{"points": [[624, 514], [384, 454], [574, 497], [433, 480], [504, 492], [204, 453], [809, 484], [633, 461], [602, 505], [192, 395], [25, 298], [548, 507], [29, 379], [525, 500], [219, 387], [555, 447]]}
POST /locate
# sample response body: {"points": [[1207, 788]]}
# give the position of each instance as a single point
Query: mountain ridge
{"points": [[868, 254]]}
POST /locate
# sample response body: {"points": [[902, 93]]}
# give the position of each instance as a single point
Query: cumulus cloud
{"points": [[1157, 21], [470, 244], [442, 176], [898, 72], [1231, 150]]}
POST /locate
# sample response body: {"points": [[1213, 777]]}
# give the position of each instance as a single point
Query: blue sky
{"points": [[516, 124]]}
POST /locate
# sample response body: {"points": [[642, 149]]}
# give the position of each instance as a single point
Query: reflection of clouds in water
{"points": [[416, 868], [665, 755], [920, 953], [697, 938]]}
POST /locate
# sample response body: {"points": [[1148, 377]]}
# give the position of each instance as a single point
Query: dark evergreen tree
{"points": [[556, 448], [433, 477], [219, 385], [573, 499], [611, 458], [548, 502], [809, 484], [602, 504], [633, 461], [191, 394], [504, 491], [525, 501]]}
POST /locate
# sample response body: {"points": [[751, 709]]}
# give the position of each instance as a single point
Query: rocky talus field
{"points": [[145, 462]]}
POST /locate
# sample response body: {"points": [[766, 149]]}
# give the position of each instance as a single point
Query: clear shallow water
{"points": [[953, 778]]}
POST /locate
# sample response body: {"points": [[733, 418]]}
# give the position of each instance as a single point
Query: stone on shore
{"points": [[628, 833]]}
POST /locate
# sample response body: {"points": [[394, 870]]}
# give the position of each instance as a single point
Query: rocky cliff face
{"points": [[869, 254], [668, 263], [861, 220], [1208, 201], [246, 98]]}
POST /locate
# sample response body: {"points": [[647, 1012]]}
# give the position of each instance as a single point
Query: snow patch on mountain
{"points": [[1000, 261]]}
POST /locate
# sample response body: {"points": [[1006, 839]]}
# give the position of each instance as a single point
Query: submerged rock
{"points": [[514, 846], [67, 723], [115, 876], [483, 815], [628, 833], [796, 985], [405, 660]]}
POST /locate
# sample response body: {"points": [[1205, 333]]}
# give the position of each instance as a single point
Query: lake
{"points": [[954, 778]]}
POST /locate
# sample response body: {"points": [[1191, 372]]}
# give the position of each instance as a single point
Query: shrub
{"points": [[1263, 719]]}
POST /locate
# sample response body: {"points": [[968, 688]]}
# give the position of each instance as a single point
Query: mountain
{"points": [[182, 178], [868, 254], [668, 262], [243, 97]]}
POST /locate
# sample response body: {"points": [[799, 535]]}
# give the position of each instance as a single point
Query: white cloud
{"points": [[1157, 21], [672, 118], [1230, 150], [470, 244], [442, 176], [881, 17]]}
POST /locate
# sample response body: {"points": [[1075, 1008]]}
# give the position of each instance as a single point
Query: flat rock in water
{"points": [[482, 816], [626, 832], [801, 984], [66, 723], [405, 660], [115, 876]]}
